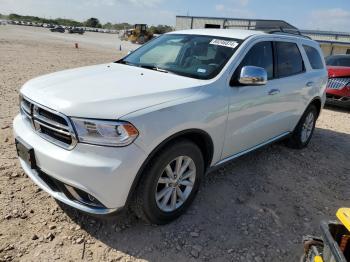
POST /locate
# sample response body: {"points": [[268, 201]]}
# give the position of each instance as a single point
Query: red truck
{"points": [[338, 88]]}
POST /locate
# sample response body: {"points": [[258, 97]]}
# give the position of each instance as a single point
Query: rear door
{"points": [[292, 83]]}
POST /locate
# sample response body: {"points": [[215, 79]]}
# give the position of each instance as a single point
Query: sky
{"points": [[305, 14]]}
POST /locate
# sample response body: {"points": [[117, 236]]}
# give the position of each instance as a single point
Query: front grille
{"points": [[53, 117], [338, 83], [51, 125], [50, 182]]}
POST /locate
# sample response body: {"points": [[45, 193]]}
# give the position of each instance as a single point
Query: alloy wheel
{"points": [[175, 183], [307, 127]]}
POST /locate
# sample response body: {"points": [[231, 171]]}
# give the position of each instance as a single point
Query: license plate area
{"points": [[25, 152]]}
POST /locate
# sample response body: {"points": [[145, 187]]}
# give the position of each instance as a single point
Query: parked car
{"points": [[76, 30], [142, 131], [338, 88], [48, 26], [59, 29]]}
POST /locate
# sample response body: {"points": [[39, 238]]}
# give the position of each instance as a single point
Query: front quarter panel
{"points": [[205, 109]]}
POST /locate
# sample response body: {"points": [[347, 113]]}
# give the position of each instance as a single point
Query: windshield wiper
{"points": [[155, 68], [151, 67], [122, 61]]}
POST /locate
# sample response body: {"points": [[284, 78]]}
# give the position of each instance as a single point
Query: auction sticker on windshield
{"points": [[231, 44]]}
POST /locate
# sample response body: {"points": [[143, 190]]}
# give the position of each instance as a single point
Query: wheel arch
{"points": [[201, 138], [318, 103]]}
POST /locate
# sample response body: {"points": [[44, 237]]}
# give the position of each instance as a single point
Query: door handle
{"points": [[274, 92], [309, 84]]}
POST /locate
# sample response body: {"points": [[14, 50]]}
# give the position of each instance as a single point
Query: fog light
{"points": [[83, 197]]}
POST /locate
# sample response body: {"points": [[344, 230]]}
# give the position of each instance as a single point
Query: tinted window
{"points": [[314, 57], [259, 55], [343, 60], [289, 60]]}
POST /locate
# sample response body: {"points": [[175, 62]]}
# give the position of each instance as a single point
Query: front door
{"points": [[254, 111]]}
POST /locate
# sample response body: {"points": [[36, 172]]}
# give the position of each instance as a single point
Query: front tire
{"points": [[170, 183], [304, 130]]}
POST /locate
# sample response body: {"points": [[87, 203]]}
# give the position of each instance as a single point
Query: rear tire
{"points": [[178, 166], [304, 130]]}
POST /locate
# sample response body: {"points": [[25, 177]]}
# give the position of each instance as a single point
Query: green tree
{"points": [[161, 29], [108, 26], [67, 22], [93, 22], [122, 26], [14, 17]]}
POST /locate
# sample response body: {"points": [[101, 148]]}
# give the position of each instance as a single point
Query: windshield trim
{"points": [[213, 75]]}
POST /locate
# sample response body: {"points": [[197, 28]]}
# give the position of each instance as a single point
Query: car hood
{"points": [[107, 91], [338, 71]]}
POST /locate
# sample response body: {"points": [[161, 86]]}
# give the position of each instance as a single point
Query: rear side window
{"points": [[314, 57], [289, 59]]}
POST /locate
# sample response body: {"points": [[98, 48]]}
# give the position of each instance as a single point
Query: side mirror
{"points": [[253, 76]]}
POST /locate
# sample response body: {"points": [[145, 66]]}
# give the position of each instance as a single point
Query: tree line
{"points": [[91, 22]]}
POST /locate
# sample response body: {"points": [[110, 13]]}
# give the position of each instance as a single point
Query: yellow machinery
{"points": [[334, 245], [139, 34]]}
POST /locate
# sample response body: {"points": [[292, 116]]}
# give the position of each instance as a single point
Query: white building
{"points": [[331, 42]]}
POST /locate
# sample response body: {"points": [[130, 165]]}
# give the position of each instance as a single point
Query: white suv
{"points": [[141, 132]]}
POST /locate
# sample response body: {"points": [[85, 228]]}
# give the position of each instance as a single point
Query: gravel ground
{"points": [[256, 208], [88, 39]]}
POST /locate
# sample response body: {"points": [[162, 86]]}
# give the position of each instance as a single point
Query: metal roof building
{"points": [[331, 42]]}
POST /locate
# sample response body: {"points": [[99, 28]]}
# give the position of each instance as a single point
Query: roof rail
{"points": [[271, 29], [287, 31]]}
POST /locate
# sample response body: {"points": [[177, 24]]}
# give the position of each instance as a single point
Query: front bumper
{"points": [[105, 173], [338, 101], [338, 97]]}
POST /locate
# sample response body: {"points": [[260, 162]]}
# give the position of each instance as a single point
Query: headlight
{"points": [[105, 133]]}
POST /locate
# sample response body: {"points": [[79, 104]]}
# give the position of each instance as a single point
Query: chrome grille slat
{"points": [[54, 131], [52, 128], [26, 113], [338, 83], [26, 108], [51, 116], [43, 119]]}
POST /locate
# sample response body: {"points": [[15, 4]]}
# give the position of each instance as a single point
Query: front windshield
{"points": [[338, 61], [196, 56]]}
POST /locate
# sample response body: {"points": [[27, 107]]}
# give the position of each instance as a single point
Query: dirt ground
{"points": [[256, 208]]}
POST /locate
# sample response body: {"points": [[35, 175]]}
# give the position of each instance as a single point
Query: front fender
{"points": [[202, 111]]}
